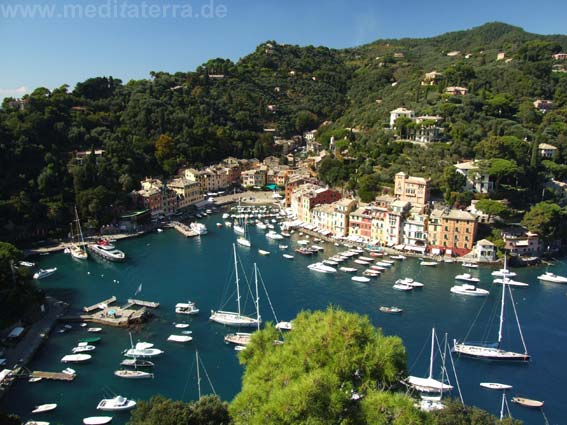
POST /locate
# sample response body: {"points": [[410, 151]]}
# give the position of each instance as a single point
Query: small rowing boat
{"points": [[526, 402], [44, 408]]}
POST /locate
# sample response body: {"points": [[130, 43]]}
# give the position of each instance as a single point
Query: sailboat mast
{"points": [[79, 228], [198, 374], [257, 296], [502, 405], [237, 279], [432, 352], [504, 283]]}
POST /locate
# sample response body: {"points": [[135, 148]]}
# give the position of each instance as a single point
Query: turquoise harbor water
{"points": [[173, 269]]}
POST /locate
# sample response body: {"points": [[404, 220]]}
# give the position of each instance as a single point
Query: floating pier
{"points": [[141, 303], [52, 376], [99, 306], [184, 229]]}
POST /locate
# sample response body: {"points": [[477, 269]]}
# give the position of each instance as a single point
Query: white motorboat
{"points": [[470, 265], [504, 272], [371, 273], [398, 257], [133, 374], [231, 318], [321, 268], [285, 234], [361, 279], [330, 262], [97, 420], [106, 251], [238, 229], [44, 408], [26, 263], [317, 248], [182, 325], [261, 225], [410, 282], [136, 363], [467, 277], [510, 282], [142, 350], [69, 371], [282, 246], [288, 256], [186, 308], [179, 338], [240, 348], [402, 287], [383, 264], [263, 252], [199, 228], [495, 351], [428, 263], [115, 404], [274, 235], [83, 348], [362, 262], [159, 230], [35, 379], [551, 277], [348, 269], [302, 242], [36, 423], [75, 358], [43, 273], [238, 338], [94, 330], [285, 326], [470, 290], [225, 216], [378, 268], [495, 386]]}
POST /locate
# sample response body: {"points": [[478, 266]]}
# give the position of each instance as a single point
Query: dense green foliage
{"points": [[310, 378], [208, 410], [155, 126], [17, 294]]}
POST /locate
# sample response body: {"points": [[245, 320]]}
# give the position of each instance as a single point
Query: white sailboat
{"points": [[230, 318], [429, 384], [505, 272], [243, 338], [242, 240], [77, 248], [495, 351]]}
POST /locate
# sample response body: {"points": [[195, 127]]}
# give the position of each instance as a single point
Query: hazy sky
{"points": [[129, 38]]}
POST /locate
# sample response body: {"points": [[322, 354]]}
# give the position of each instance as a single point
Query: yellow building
{"points": [[189, 192]]}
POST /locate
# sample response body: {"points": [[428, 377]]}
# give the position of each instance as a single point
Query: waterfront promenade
{"points": [[19, 355]]}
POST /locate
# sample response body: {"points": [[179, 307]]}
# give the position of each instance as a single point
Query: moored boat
{"points": [[133, 374], [428, 263], [467, 277], [44, 408], [97, 420], [470, 290], [321, 268], [526, 402], [409, 282], [391, 309], [470, 265], [361, 279], [263, 252], [495, 386], [186, 308], [199, 228], [286, 326], [43, 273], [135, 362], [116, 404], [179, 338], [288, 256], [348, 269], [553, 278], [75, 358], [106, 251], [510, 282]]}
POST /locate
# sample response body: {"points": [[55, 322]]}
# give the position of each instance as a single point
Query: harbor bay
{"points": [[169, 268]]}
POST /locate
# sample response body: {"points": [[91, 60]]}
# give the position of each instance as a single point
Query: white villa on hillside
{"points": [[400, 112], [476, 181]]}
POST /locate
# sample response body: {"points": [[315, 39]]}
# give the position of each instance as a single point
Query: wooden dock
{"points": [[142, 303], [98, 306], [52, 376], [184, 229]]}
